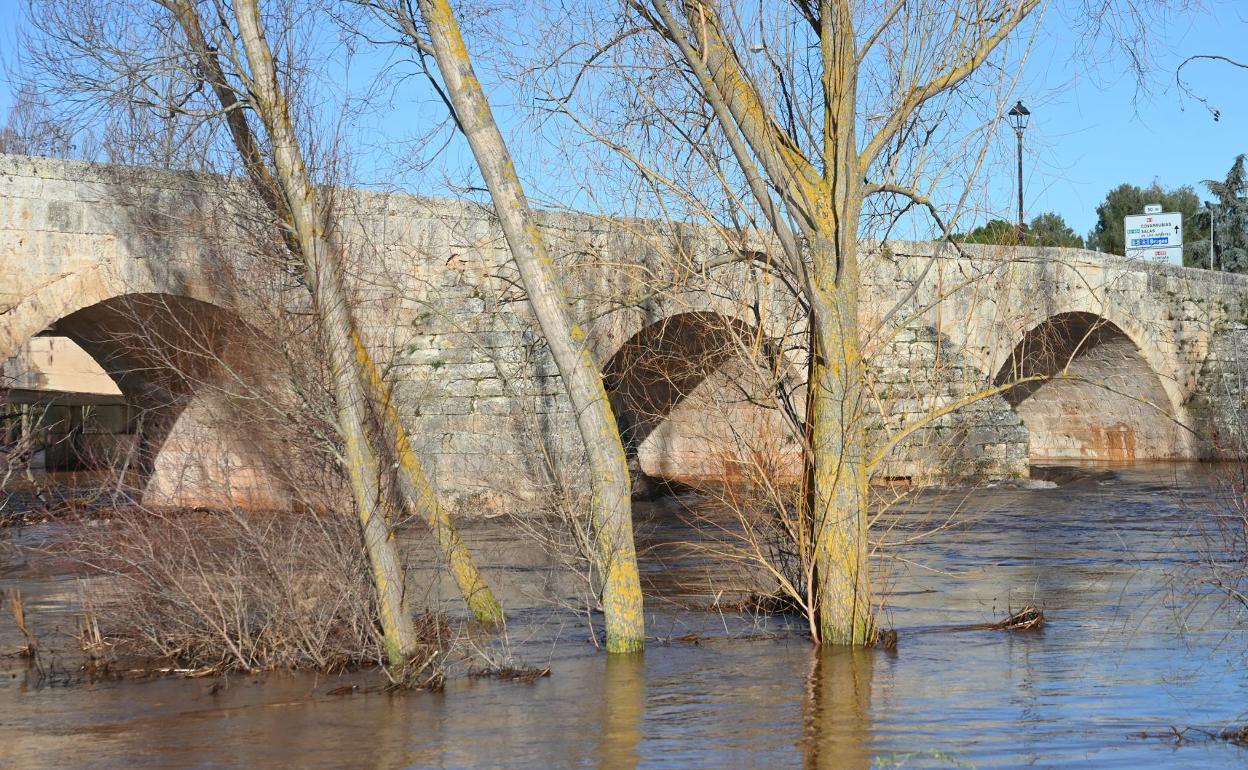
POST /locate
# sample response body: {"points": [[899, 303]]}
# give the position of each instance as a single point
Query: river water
{"points": [[1132, 647]]}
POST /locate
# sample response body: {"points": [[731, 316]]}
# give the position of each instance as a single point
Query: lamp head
{"points": [[1019, 115]]}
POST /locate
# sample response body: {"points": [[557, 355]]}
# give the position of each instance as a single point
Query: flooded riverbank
{"points": [[1131, 646]]}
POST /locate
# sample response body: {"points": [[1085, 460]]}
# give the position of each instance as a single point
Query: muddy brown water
{"points": [[1131, 646]]}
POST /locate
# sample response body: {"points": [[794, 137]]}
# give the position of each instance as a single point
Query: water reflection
{"points": [[623, 708], [836, 709], [388, 738]]}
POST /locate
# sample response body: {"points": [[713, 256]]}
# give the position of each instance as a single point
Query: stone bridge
{"points": [[154, 276]]}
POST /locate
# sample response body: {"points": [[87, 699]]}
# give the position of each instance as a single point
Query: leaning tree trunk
{"points": [[611, 505], [419, 497], [323, 272], [414, 490]]}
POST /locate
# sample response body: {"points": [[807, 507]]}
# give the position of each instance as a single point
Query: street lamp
{"points": [[1019, 115]]}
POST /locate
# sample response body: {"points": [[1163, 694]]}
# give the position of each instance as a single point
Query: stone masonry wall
{"points": [[443, 310]]}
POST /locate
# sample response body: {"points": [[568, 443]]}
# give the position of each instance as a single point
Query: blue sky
{"points": [[1091, 128]]}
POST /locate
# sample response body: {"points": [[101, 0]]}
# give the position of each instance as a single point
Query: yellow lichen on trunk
{"points": [[838, 474], [615, 558], [420, 497], [322, 272], [414, 490]]}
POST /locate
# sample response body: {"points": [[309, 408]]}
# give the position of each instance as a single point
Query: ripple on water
{"points": [[1129, 647]]}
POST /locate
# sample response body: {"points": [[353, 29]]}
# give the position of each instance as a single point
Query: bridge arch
{"points": [[177, 362], [1086, 391], [695, 395]]}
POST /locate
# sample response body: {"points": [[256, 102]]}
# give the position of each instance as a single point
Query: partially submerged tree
{"points": [[435, 32], [322, 271], [873, 77], [822, 139], [414, 488], [226, 51]]}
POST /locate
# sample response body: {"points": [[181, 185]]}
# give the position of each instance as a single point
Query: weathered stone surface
{"points": [[1148, 358]]}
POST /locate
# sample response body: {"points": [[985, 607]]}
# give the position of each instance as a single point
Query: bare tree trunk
{"points": [[611, 505], [837, 469], [323, 273], [837, 442], [419, 497], [414, 490]]}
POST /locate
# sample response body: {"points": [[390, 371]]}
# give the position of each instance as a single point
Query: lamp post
{"points": [[1019, 115]]}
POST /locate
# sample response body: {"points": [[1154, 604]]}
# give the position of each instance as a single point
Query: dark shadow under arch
{"points": [[1095, 397], [653, 373], [163, 351]]}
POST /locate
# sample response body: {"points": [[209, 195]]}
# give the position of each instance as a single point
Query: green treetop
{"points": [[1109, 233], [1048, 229], [1230, 221]]}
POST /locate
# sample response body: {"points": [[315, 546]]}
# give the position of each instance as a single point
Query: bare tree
{"points": [[189, 61], [1186, 88], [801, 131], [32, 129], [436, 33], [811, 187], [322, 271], [415, 490]]}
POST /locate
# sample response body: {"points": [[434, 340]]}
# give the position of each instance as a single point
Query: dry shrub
{"points": [[234, 589], [754, 518], [1223, 531], [1221, 524], [18, 444]]}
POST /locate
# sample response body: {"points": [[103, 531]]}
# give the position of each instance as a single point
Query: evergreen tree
{"points": [[1230, 219], [994, 232], [1048, 229]]}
